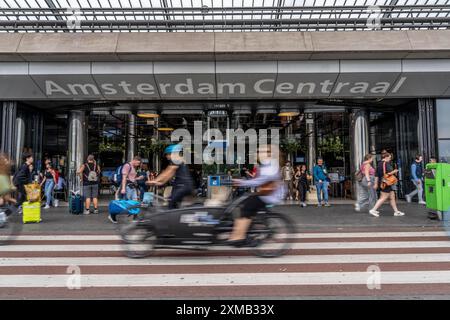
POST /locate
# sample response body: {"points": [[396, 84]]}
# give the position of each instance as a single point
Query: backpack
{"points": [[359, 175], [117, 178], [92, 176]]}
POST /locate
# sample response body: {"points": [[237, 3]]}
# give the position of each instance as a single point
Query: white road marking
{"points": [[161, 261], [220, 279]]}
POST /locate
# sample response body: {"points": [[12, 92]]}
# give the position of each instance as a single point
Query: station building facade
{"points": [[338, 95]]}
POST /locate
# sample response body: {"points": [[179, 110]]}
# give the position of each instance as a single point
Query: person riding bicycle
{"points": [[183, 183], [268, 183]]}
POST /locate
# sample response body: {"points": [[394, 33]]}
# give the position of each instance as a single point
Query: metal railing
{"points": [[275, 18]]}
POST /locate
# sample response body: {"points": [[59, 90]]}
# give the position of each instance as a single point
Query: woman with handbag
{"points": [[367, 183], [387, 181]]}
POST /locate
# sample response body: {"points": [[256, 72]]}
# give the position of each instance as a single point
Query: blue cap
{"points": [[173, 148]]}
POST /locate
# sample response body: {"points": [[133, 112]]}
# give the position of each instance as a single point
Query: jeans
{"points": [[302, 188], [367, 194], [322, 187], [288, 186], [142, 190], [132, 193], [177, 196], [418, 190], [49, 185]]}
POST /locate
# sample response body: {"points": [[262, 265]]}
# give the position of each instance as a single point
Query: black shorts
{"points": [[250, 206]]}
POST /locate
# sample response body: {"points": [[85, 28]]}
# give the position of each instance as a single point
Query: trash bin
{"points": [[437, 188], [219, 187]]}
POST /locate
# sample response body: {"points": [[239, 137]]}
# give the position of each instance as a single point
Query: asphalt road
{"points": [[353, 256]]}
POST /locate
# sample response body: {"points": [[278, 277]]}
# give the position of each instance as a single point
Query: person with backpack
{"points": [[417, 179], [23, 177], [89, 174], [129, 184]]}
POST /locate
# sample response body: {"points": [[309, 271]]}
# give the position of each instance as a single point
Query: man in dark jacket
{"points": [[22, 177]]}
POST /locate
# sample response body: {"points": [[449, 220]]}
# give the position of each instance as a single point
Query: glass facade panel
{"points": [[443, 118], [444, 150]]}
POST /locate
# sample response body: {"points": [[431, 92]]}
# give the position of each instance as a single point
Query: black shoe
{"points": [[113, 219], [242, 243]]}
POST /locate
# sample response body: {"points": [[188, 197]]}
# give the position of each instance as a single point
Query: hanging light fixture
{"points": [[148, 114], [288, 110]]}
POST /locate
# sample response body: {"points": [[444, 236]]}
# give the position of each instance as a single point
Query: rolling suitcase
{"points": [[76, 203], [31, 212]]}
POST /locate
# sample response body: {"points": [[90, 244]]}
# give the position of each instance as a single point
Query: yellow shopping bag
{"points": [[33, 191]]}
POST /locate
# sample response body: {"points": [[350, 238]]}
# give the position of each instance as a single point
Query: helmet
{"points": [[173, 148]]}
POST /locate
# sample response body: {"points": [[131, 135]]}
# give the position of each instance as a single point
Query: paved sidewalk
{"points": [[337, 217]]}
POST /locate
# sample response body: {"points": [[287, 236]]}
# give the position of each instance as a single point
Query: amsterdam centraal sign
{"points": [[225, 80]]}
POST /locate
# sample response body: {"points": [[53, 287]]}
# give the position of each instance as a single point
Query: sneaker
{"points": [[357, 207], [87, 211], [375, 213], [327, 205], [398, 214], [47, 206], [113, 220], [423, 202], [95, 211], [304, 205], [408, 199], [319, 204]]}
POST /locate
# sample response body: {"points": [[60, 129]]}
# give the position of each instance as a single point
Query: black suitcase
{"points": [[76, 203]]}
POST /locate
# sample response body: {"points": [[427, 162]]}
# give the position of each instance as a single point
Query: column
{"points": [[426, 129], [311, 134], [359, 136], [20, 140], [8, 129], [131, 137], [77, 147]]}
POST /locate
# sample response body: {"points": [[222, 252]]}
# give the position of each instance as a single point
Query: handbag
{"points": [[388, 179], [359, 175]]}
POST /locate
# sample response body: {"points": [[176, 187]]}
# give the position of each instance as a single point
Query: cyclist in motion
{"points": [[267, 181], [183, 183]]}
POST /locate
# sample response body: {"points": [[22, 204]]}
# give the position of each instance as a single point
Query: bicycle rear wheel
{"points": [[10, 224], [273, 233]]}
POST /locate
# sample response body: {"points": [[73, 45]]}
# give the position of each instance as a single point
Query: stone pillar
{"points": [[359, 135], [426, 128], [8, 129], [20, 140], [77, 147], [311, 134], [131, 137]]}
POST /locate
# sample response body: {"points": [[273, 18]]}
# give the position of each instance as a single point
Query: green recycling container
{"points": [[437, 186]]}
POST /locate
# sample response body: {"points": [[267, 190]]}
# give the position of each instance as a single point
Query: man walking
{"points": [[321, 180], [129, 179], [417, 179], [287, 173], [89, 174], [22, 177]]}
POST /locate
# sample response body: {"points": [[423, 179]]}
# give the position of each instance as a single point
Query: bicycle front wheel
{"points": [[272, 233]]}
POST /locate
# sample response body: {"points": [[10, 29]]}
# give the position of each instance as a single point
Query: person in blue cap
{"points": [[183, 183]]}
